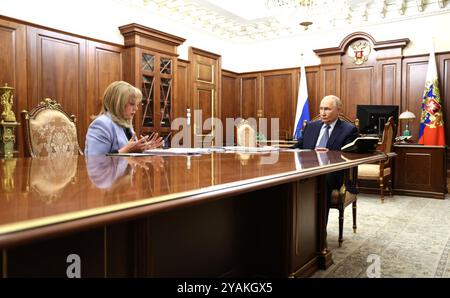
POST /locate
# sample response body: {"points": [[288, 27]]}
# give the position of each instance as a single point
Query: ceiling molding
{"points": [[229, 22]]}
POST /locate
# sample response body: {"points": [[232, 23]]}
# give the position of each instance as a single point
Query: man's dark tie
{"points": [[326, 135]]}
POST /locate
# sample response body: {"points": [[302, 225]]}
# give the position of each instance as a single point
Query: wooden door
{"points": [[205, 70]]}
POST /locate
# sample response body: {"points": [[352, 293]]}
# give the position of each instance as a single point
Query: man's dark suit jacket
{"points": [[342, 134]]}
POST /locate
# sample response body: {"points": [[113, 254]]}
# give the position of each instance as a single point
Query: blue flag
{"points": [[302, 112]]}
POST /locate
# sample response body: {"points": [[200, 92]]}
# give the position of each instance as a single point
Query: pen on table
{"points": [[150, 137], [166, 141]]}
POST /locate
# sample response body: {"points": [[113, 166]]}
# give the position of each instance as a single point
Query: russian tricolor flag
{"points": [[302, 112]]}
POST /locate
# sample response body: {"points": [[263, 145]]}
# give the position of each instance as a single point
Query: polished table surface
{"points": [[39, 196]]}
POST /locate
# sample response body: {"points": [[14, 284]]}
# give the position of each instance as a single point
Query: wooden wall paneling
{"points": [[373, 81], [330, 80], [358, 88], [131, 70], [388, 71], [14, 69], [313, 82], [329, 73], [358, 81], [131, 66], [182, 94], [230, 104], [443, 63], [388, 82], [206, 68], [250, 96], [57, 69], [104, 66], [414, 71], [278, 91], [230, 95]]}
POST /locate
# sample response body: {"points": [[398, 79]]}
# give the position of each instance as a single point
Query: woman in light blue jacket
{"points": [[112, 131]]}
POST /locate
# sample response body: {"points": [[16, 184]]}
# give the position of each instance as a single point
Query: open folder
{"points": [[362, 145]]}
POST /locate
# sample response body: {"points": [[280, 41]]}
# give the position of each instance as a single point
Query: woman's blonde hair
{"points": [[116, 96]]}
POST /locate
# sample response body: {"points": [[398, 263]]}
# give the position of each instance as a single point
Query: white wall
{"points": [[100, 19]]}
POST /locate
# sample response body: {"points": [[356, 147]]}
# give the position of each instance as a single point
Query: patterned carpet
{"points": [[404, 237]]}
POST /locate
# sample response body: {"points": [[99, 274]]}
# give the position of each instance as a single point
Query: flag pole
{"points": [[302, 108]]}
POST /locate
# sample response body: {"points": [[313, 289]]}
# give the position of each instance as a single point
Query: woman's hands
{"points": [[155, 141], [156, 162], [135, 145]]}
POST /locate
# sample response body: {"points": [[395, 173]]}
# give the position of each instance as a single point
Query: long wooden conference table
{"points": [[209, 215]]}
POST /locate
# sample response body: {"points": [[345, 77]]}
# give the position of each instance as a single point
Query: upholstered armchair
{"points": [[381, 172], [49, 131], [246, 134], [48, 178]]}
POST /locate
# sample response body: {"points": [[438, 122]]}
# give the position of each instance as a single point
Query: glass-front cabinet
{"points": [[150, 63], [157, 78]]}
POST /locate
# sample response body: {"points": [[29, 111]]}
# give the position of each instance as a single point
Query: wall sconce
{"points": [[407, 115]]}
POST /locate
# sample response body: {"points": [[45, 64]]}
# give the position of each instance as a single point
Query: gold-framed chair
{"points": [[381, 171], [49, 131], [246, 134], [48, 178], [341, 198]]}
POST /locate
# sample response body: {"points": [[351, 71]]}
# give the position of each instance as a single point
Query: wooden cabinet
{"points": [[420, 171], [150, 63], [156, 81]]}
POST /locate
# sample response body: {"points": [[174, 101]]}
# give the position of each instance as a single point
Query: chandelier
{"points": [[300, 12]]}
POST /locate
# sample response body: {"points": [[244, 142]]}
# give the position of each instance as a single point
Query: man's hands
{"points": [[135, 145]]}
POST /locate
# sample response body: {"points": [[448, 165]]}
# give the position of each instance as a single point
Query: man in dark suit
{"points": [[340, 133], [329, 133]]}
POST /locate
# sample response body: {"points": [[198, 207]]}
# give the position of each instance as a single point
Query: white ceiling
{"points": [[253, 20]]}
